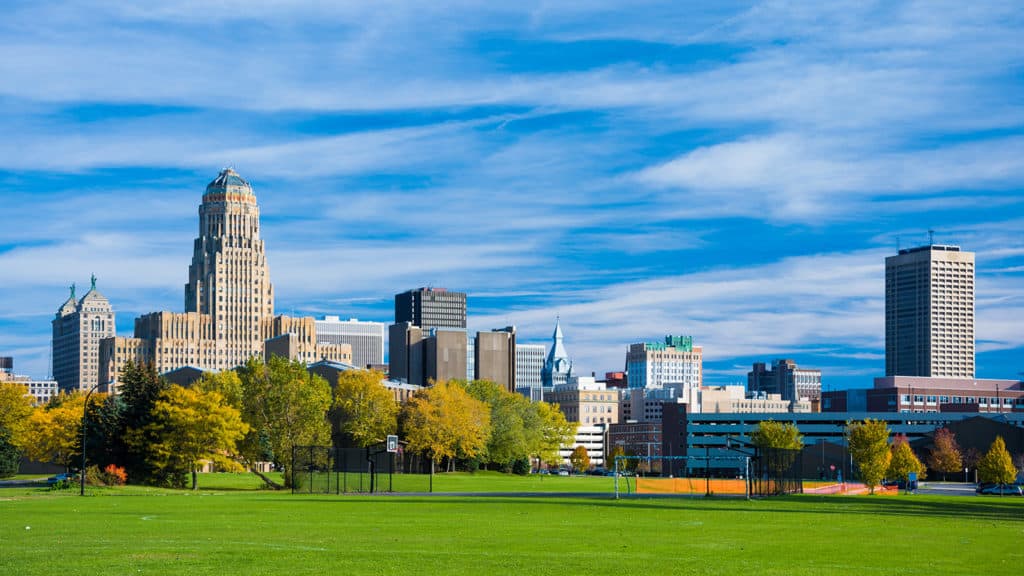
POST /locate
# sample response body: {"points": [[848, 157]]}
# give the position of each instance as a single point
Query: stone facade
{"points": [[78, 329], [229, 300]]}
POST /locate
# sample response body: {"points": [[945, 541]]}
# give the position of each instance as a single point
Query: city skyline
{"points": [[737, 175]]}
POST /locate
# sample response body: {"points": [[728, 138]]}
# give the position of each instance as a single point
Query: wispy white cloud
{"points": [[791, 177]]}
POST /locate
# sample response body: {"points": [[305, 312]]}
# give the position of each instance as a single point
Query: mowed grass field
{"points": [[229, 527]]}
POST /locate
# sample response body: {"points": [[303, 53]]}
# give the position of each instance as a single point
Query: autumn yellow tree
{"points": [[903, 461], [579, 459], [996, 466], [444, 421], [15, 409], [364, 411], [54, 433], [946, 456], [868, 441], [187, 427], [552, 432]]}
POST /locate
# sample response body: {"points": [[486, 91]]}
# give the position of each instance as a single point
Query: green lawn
{"points": [[229, 530]]}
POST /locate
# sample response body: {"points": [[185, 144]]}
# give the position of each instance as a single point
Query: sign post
{"points": [[392, 443]]}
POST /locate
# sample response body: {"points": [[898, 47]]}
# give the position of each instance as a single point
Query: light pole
{"points": [[85, 421]]}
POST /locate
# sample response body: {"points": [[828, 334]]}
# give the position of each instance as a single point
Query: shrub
{"points": [[521, 466], [114, 475]]}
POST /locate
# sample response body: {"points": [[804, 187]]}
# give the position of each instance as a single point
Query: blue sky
{"points": [[737, 173]]}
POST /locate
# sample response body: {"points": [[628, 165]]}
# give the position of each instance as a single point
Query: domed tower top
{"points": [[228, 183]]}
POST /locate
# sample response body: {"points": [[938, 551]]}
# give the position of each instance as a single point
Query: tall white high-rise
{"points": [[929, 312], [366, 338], [529, 364], [674, 361]]}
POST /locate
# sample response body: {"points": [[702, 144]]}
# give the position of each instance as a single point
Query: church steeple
{"points": [[557, 366]]}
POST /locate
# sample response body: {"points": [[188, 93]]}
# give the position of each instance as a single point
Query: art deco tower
{"points": [[228, 278]]}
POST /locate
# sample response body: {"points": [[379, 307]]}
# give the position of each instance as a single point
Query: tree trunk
{"points": [[266, 480], [194, 483]]}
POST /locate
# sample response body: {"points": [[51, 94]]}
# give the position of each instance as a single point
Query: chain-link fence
{"points": [[330, 470], [766, 473]]}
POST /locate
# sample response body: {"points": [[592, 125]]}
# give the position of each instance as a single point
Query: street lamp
{"points": [[85, 421]]}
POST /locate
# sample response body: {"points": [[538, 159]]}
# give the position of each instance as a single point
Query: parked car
{"points": [[1001, 489], [563, 472]]}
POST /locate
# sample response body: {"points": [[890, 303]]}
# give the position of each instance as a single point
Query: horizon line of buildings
{"points": [[229, 317]]}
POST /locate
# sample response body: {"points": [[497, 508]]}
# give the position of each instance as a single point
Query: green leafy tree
{"points": [[139, 389], [778, 435], [579, 459], [187, 427], [868, 442], [779, 445], [444, 422], [285, 406], [364, 410], [903, 461], [996, 466], [227, 383], [512, 437], [946, 456]]}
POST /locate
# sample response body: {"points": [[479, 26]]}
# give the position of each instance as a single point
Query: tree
{"points": [[188, 426], [444, 421], [778, 435], [552, 432], [869, 446], [15, 409], [10, 454], [54, 433], [364, 410], [285, 406], [996, 465], [579, 459], [512, 435], [226, 383], [778, 444], [140, 388], [615, 453], [945, 457], [903, 461]]}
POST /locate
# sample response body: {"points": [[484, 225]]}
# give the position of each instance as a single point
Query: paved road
{"points": [[947, 488]]}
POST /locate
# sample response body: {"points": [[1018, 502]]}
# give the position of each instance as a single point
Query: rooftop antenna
{"points": [[931, 237]]}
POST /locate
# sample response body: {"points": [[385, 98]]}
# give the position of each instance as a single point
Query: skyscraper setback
{"points": [[929, 312], [229, 300], [228, 278]]}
